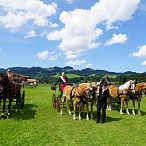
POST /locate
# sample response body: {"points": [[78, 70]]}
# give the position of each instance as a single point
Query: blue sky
{"points": [[100, 34]]}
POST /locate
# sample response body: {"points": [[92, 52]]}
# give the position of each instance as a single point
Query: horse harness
{"points": [[83, 97]]}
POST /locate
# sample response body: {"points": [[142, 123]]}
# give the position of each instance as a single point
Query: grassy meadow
{"points": [[41, 125]]}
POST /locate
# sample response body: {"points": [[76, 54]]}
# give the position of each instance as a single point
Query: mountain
{"points": [[33, 71]]}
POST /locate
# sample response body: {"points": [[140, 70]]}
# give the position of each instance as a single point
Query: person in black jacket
{"points": [[62, 81], [102, 99]]}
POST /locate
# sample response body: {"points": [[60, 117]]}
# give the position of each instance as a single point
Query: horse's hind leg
{"points": [[9, 108], [4, 107], [139, 100], [109, 103], [121, 110]]}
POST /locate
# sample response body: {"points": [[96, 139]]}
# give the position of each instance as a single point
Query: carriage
{"points": [[56, 100]]}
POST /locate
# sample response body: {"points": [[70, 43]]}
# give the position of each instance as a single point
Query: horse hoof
{"points": [[2, 117], [80, 118], [87, 119], [121, 113], [74, 119], [133, 113], [8, 117], [128, 113], [139, 113]]}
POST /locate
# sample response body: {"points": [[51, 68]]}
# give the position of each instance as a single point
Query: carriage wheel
{"points": [[54, 101], [58, 105], [22, 99]]}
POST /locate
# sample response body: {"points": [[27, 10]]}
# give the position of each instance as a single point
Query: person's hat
{"points": [[8, 70]]}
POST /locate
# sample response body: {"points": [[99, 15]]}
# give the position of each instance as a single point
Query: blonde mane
{"points": [[126, 85]]}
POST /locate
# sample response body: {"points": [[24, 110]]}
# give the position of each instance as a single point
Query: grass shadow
{"points": [[111, 119], [27, 113], [108, 118]]}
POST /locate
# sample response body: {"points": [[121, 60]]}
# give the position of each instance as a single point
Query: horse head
{"points": [[132, 86], [4, 82], [94, 89]]}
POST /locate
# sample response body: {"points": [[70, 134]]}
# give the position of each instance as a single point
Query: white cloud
{"points": [[141, 53], [88, 65], [30, 34], [76, 62], [15, 13], [70, 1], [80, 32], [46, 55], [117, 39], [143, 63]]}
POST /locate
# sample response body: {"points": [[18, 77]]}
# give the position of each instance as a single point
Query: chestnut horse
{"points": [[140, 87], [76, 94], [9, 90], [123, 92]]}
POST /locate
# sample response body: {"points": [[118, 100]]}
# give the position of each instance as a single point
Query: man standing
{"points": [[102, 99]]}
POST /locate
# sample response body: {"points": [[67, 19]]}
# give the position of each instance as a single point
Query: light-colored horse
{"points": [[76, 94], [139, 88], [123, 92]]}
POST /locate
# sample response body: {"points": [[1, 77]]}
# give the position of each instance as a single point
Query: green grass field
{"points": [[41, 125]]}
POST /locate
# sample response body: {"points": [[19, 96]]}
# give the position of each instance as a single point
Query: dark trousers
{"points": [[101, 104]]}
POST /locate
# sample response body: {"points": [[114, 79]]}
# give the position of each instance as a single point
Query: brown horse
{"points": [[9, 90], [93, 94], [123, 93], [77, 95], [140, 87]]}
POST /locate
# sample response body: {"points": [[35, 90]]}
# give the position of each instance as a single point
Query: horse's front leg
{"points": [[92, 103], [17, 104], [9, 108], [74, 107], [139, 100], [127, 111], [133, 106], [87, 110], [63, 99], [69, 106], [121, 110], [80, 109], [4, 107]]}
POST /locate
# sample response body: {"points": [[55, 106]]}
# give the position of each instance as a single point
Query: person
{"points": [[62, 81], [10, 75], [102, 98], [15, 77]]}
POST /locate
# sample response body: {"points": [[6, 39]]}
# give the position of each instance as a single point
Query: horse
{"points": [[139, 88], [9, 90], [78, 94], [122, 92], [93, 93]]}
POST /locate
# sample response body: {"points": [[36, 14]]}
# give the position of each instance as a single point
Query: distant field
{"points": [[41, 125], [68, 75]]}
